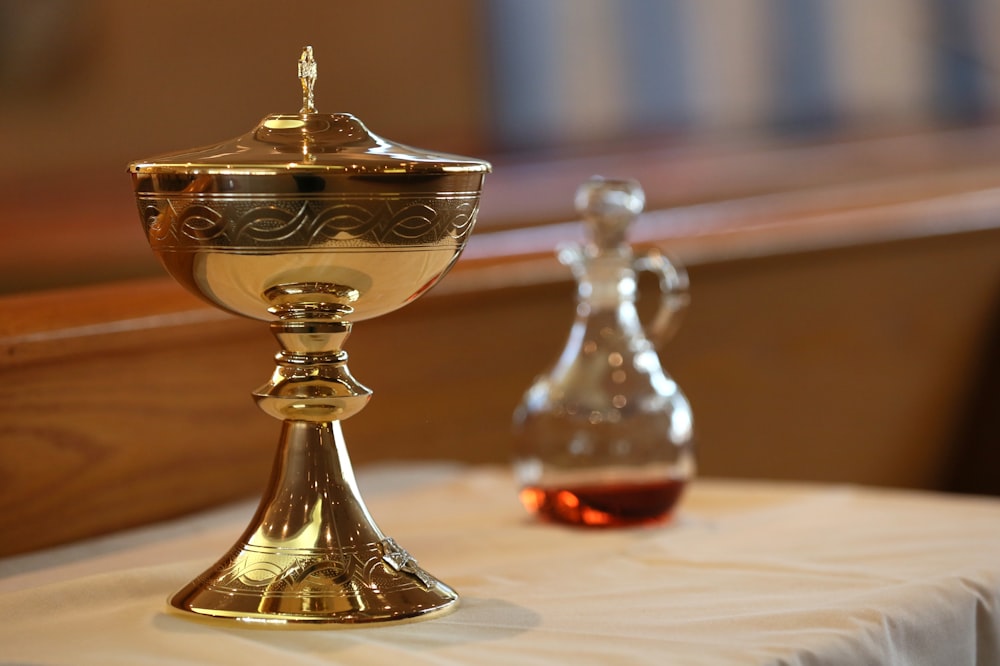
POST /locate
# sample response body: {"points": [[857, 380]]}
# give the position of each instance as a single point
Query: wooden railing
{"points": [[834, 328]]}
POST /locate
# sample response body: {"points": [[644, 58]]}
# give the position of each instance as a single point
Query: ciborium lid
{"points": [[302, 144]]}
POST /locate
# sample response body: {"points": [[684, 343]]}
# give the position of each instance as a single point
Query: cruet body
{"points": [[605, 437]]}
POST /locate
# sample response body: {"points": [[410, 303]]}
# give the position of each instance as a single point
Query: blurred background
{"points": [[85, 87], [827, 170]]}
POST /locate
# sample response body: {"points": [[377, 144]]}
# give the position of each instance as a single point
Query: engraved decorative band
{"points": [[285, 571], [185, 223]]}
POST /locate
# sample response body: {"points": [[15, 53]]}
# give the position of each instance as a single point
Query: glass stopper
{"points": [[609, 207]]}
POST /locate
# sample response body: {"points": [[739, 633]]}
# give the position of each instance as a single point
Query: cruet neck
{"points": [[608, 207]]}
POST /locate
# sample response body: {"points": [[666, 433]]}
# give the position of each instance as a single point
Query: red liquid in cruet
{"points": [[605, 505]]}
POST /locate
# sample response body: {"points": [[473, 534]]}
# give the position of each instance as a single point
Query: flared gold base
{"points": [[312, 553], [323, 591]]}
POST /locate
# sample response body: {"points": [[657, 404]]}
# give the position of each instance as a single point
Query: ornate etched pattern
{"points": [[178, 222], [261, 571], [400, 560]]}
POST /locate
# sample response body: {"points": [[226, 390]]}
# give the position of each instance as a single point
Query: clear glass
{"points": [[605, 437]]}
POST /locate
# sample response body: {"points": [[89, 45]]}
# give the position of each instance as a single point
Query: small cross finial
{"points": [[307, 75]]}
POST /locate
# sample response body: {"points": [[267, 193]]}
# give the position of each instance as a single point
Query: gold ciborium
{"points": [[310, 222]]}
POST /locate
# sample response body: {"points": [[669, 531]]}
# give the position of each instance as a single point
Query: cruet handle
{"points": [[674, 294], [608, 207]]}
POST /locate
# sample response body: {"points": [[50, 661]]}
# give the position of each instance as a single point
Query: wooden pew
{"points": [[833, 334]]}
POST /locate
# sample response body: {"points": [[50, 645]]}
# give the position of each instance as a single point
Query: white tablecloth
{"points": [[749, 573]]}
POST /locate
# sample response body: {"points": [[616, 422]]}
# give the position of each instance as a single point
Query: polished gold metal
{"points": [[310, 222], [307, 75]]}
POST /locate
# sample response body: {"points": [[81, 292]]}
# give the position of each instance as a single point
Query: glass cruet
{"points": [[605, 437]]}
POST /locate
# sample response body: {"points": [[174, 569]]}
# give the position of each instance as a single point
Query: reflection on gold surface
{"points": [[386, 279], [312, 552]]}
